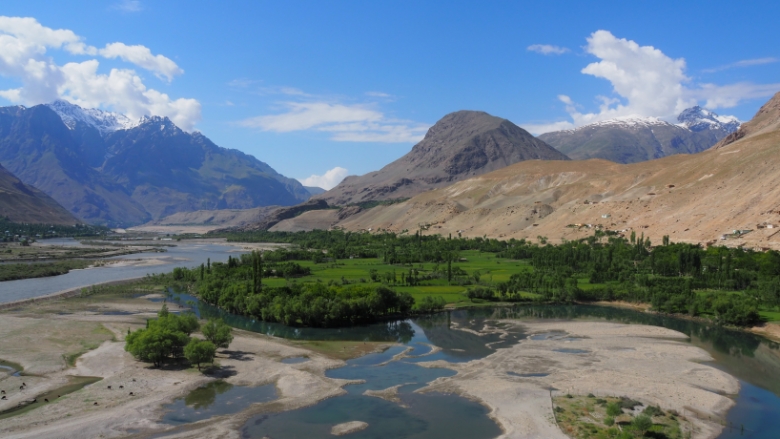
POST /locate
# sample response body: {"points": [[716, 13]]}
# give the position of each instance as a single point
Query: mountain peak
{"points": [[104, 121], [460, 145], [700, 119]]}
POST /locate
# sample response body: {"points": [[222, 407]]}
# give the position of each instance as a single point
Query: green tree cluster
{"points": [[168, 337]]}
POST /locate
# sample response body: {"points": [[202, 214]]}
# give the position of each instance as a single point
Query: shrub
{"points": [[614, 409]]}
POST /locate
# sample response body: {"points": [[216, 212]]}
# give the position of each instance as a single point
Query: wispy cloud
{"points": [[328, 180], [646, 82], [345, 122], [378, 94], [547, 49], [242, 82], [743, 63], [129, 6]]}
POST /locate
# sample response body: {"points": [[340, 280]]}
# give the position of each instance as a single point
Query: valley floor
{"points": [[649, 364]]}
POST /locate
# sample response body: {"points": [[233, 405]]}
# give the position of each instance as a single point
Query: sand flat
{"points": [[650, 364]]}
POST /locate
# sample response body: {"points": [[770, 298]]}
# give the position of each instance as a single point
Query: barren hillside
{"points": [[461, 145], [691, 198]]}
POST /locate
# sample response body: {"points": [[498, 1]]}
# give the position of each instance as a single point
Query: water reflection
{"points": [[214, 399], [753, 360]]}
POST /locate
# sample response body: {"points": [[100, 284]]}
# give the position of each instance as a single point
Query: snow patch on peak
{"points": [[700, 119], [632, 121], [104, 121]]}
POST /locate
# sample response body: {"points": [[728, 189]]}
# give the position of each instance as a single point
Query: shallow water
{"points": [[183, 255], [214, 399], [754, 360], [428, 416], [571, 351], [74, 384]]}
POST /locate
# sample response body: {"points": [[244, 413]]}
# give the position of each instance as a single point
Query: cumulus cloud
{"points": [[547, 49], [328, 180], [23, 55], [348, 123], [142, 57], [646, 82]]}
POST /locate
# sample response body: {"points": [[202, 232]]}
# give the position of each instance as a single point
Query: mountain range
{"points": [[460, 145], [635, 139], [106, 169], [697, 198]]}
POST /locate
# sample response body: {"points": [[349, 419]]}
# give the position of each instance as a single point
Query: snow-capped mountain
{"points": [[632, 139], [104, 121], [106, 168], [699, 119]]}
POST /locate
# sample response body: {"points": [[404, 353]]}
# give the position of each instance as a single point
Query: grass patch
{"points": [[590, 417], [770, 316], [342, 350]]}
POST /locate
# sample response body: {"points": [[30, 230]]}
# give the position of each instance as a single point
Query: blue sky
{"points": [[330, 88]]}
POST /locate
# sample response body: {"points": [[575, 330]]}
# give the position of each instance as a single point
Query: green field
{"points": [[770, 316], [490, 268]]}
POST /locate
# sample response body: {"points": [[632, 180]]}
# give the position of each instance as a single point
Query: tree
{"points": [[218, 332], [200, 351], [162, 338], [155, 344]]}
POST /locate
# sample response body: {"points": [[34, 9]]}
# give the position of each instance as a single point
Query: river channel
{"points": [[184, 254], [753, 360]]}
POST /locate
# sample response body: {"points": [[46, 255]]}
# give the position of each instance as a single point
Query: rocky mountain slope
{"points": [[766, 120], [637, 139], [21, 203], [37, 147], [105, 168], [461, 145], [692, 198]]}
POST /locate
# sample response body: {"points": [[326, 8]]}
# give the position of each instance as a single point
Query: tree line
{"points": [[728, 285]]}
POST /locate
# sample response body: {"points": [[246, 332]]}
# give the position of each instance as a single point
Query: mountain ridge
{"points": [[461, 144], [700, 198], [107, 170], [632, 139]]}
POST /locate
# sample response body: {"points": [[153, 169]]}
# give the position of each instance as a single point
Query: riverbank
{"points": [[647, 363], [768, 330], [64, 294], [33, 339], [650, 364]]}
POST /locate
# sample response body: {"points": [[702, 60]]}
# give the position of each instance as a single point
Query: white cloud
{"points": [[327, 181], [347, 123], [129, 6], [743, 63], [646, 82], [378, 94], [23, 55], [547, 49], [142, 57]]}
